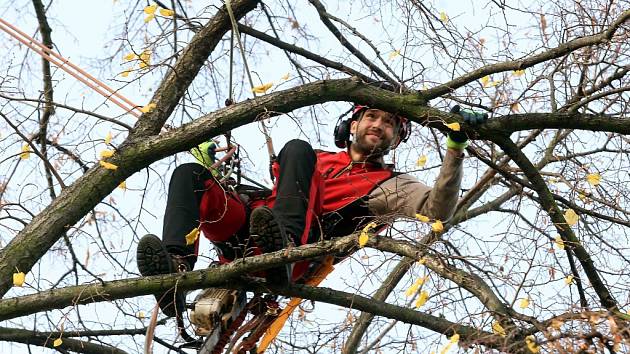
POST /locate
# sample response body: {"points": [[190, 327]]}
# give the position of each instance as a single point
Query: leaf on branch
{"points": [[531, 344], [524, 303], [422, 160], [571, 217], [149, 18], [130, 56], [262, 88], [108, 165], [192, 236], [443, 17], [416, 285], [437, 226], [26, 152], [422, 218], [593, 179], [123, 185], [57, 342], [518, 73], [498, 329], [559, 242], [422, 299], [108, 138], [393, 54], [364, 236], [148, 108], [150, 10], [568, 280], [167, 12], [145, 59], [125, 73], [106, 153], [18, 279], [140, 315], [285, 77]]}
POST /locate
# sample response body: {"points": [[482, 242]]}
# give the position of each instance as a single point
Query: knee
{"points": [[297, 148]]}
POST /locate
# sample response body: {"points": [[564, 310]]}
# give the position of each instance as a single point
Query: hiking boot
{"points": [[154, 259], [270, 236]]}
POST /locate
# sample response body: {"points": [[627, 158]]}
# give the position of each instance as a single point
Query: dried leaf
{"points": [[571, 217], [262, 88], [364, 236], [518, 73], [393, 54], [416, 285], [107, 165], [140, 315], [498, 329], [485, 80], [422, 218], [106, 153], [26, 152], [167, 12], [437, 226], [524, 303], [593, 179], [422, 299], [192, 236], [443, 17], [123, 185], [57, 342], [568, 280], [148, 19], [108, 138], [531, 344], [149, 10], [18, 279], [422, 160], [285, 76], [559, 242], [125, 73], [130, 56]]}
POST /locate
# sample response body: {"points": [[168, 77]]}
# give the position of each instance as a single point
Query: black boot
{"points": [[154, 259], [270, 236]]}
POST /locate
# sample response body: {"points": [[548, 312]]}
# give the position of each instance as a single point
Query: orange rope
{"points": [[63, 64], [272, 332]]}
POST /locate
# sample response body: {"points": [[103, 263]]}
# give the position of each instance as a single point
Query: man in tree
{"points": [[317, 195]]}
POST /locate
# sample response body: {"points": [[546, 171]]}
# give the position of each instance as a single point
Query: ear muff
{"points": [[342, 132]]}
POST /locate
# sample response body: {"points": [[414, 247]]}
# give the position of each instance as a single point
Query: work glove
{"points": [[205, 153], [459, 139]]}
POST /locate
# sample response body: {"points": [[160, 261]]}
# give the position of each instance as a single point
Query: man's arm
{"points": [[405, 195]]}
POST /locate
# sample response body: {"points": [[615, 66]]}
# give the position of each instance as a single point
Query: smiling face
{"points": [[373, 133]]}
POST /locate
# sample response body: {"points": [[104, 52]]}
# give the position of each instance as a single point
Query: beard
{"points": [[363, 145]]}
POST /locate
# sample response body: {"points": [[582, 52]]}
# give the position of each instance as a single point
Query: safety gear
{"points": [[205, 153], [470, 117], [342, 128]]}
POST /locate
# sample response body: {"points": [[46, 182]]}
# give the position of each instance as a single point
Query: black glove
{"points": [[470, 117]]}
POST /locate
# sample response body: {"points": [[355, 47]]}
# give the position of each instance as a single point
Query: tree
{"points": [[535, 258]]}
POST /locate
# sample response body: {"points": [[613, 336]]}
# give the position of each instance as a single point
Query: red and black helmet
{"points": [[342, 129]]}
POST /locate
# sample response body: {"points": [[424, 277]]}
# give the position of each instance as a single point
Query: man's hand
{"points": [[459, 139]]}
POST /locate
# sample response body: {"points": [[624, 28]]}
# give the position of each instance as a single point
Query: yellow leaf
{"points": [[443, 17], [453, 126], [107, 165], [140, 315], [145, 59], [514, 107], [415, 286], [531, 344], [150, 10], [285, 76], [149, 18], [498, 329], [422, 299], [455, 338], [123, 185], [571, 217], [26, 152], [262, 88], [422, 261], [57, 342], [568, 280], [524, 303], [192, 236], [422, 218], [593, 178], [125, 73], [108, 138], [167, 12], [148, 108], [518, 73], [556, 324], [106, 153], [130, 56], [18, 279], [422, 160], [559, 242], [393, 54], [494, 83], [363, 238], [437, 226], [582, 197], [485, 80]]}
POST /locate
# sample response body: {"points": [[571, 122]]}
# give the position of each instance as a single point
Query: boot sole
{"points": [[269, 237], [153, 259]]}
